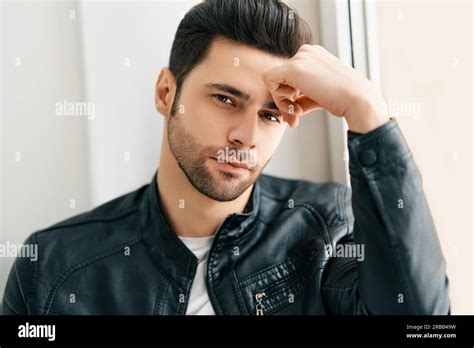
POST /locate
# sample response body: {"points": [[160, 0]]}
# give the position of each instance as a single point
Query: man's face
{"points": [[225, 114]]}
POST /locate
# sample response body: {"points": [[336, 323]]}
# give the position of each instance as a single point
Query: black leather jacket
{"points": [[281, 256]]}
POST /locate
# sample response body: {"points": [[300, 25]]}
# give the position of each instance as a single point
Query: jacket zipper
{"points": [[189, 293], [208, 271], [259, 296], [258, 305]]}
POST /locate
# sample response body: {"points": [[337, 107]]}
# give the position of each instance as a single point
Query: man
{"points": [[210, 234]]}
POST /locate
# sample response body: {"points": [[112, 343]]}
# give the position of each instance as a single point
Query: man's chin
{"points": [[218, 182], [225, 186]]}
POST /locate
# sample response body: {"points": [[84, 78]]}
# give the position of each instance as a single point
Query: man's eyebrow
{"points": [[238, 93], [270, 105], [229, 89]]}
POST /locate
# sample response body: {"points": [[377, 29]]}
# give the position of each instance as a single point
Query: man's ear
{"points": [[164, 91]]}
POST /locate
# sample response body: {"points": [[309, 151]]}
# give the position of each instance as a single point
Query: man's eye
{"points": [[271, 117], [224, 99]]}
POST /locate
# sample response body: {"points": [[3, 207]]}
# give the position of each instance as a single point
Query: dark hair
{"points": [[269, 25]]}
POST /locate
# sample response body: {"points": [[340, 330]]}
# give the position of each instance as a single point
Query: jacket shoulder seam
{"points": [[122, 215]]}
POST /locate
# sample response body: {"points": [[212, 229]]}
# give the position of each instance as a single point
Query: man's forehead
{"points": [[236, 69], [234, 54]]}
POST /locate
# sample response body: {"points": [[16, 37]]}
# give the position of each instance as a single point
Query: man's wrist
{"points": [[367, 117]]}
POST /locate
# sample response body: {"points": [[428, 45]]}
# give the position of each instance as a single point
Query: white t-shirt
{"points": [[199, 303]]}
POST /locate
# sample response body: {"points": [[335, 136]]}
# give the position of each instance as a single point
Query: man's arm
{"points": [[403, 271]]}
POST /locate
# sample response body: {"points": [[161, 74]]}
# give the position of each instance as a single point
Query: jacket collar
{"points": [[166, 250]]}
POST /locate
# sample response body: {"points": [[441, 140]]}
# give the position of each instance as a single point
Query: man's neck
{"points": [[189, 212]]}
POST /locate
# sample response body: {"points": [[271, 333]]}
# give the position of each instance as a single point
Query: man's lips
{"points": [[239, 165], [243, 165]]}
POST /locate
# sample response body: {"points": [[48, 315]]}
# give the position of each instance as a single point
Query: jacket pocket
{"points": [[278, 286]]}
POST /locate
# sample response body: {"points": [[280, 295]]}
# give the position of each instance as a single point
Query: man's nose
{"points": [[245, 131]]}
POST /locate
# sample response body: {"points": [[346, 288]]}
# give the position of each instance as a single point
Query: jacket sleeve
{"points": [[402, 270], [20, 284]]}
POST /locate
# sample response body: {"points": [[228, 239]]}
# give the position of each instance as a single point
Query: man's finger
{"points": [[293, 110], [286, 91], [289, 110], [277, 76], [307, 104]]}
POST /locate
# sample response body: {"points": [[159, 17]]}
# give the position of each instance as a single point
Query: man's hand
{"points": [[314, 79]]}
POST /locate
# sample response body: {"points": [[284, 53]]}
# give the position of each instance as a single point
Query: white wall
{"points": [[53, 168], [426, 64], [125, 45]]}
